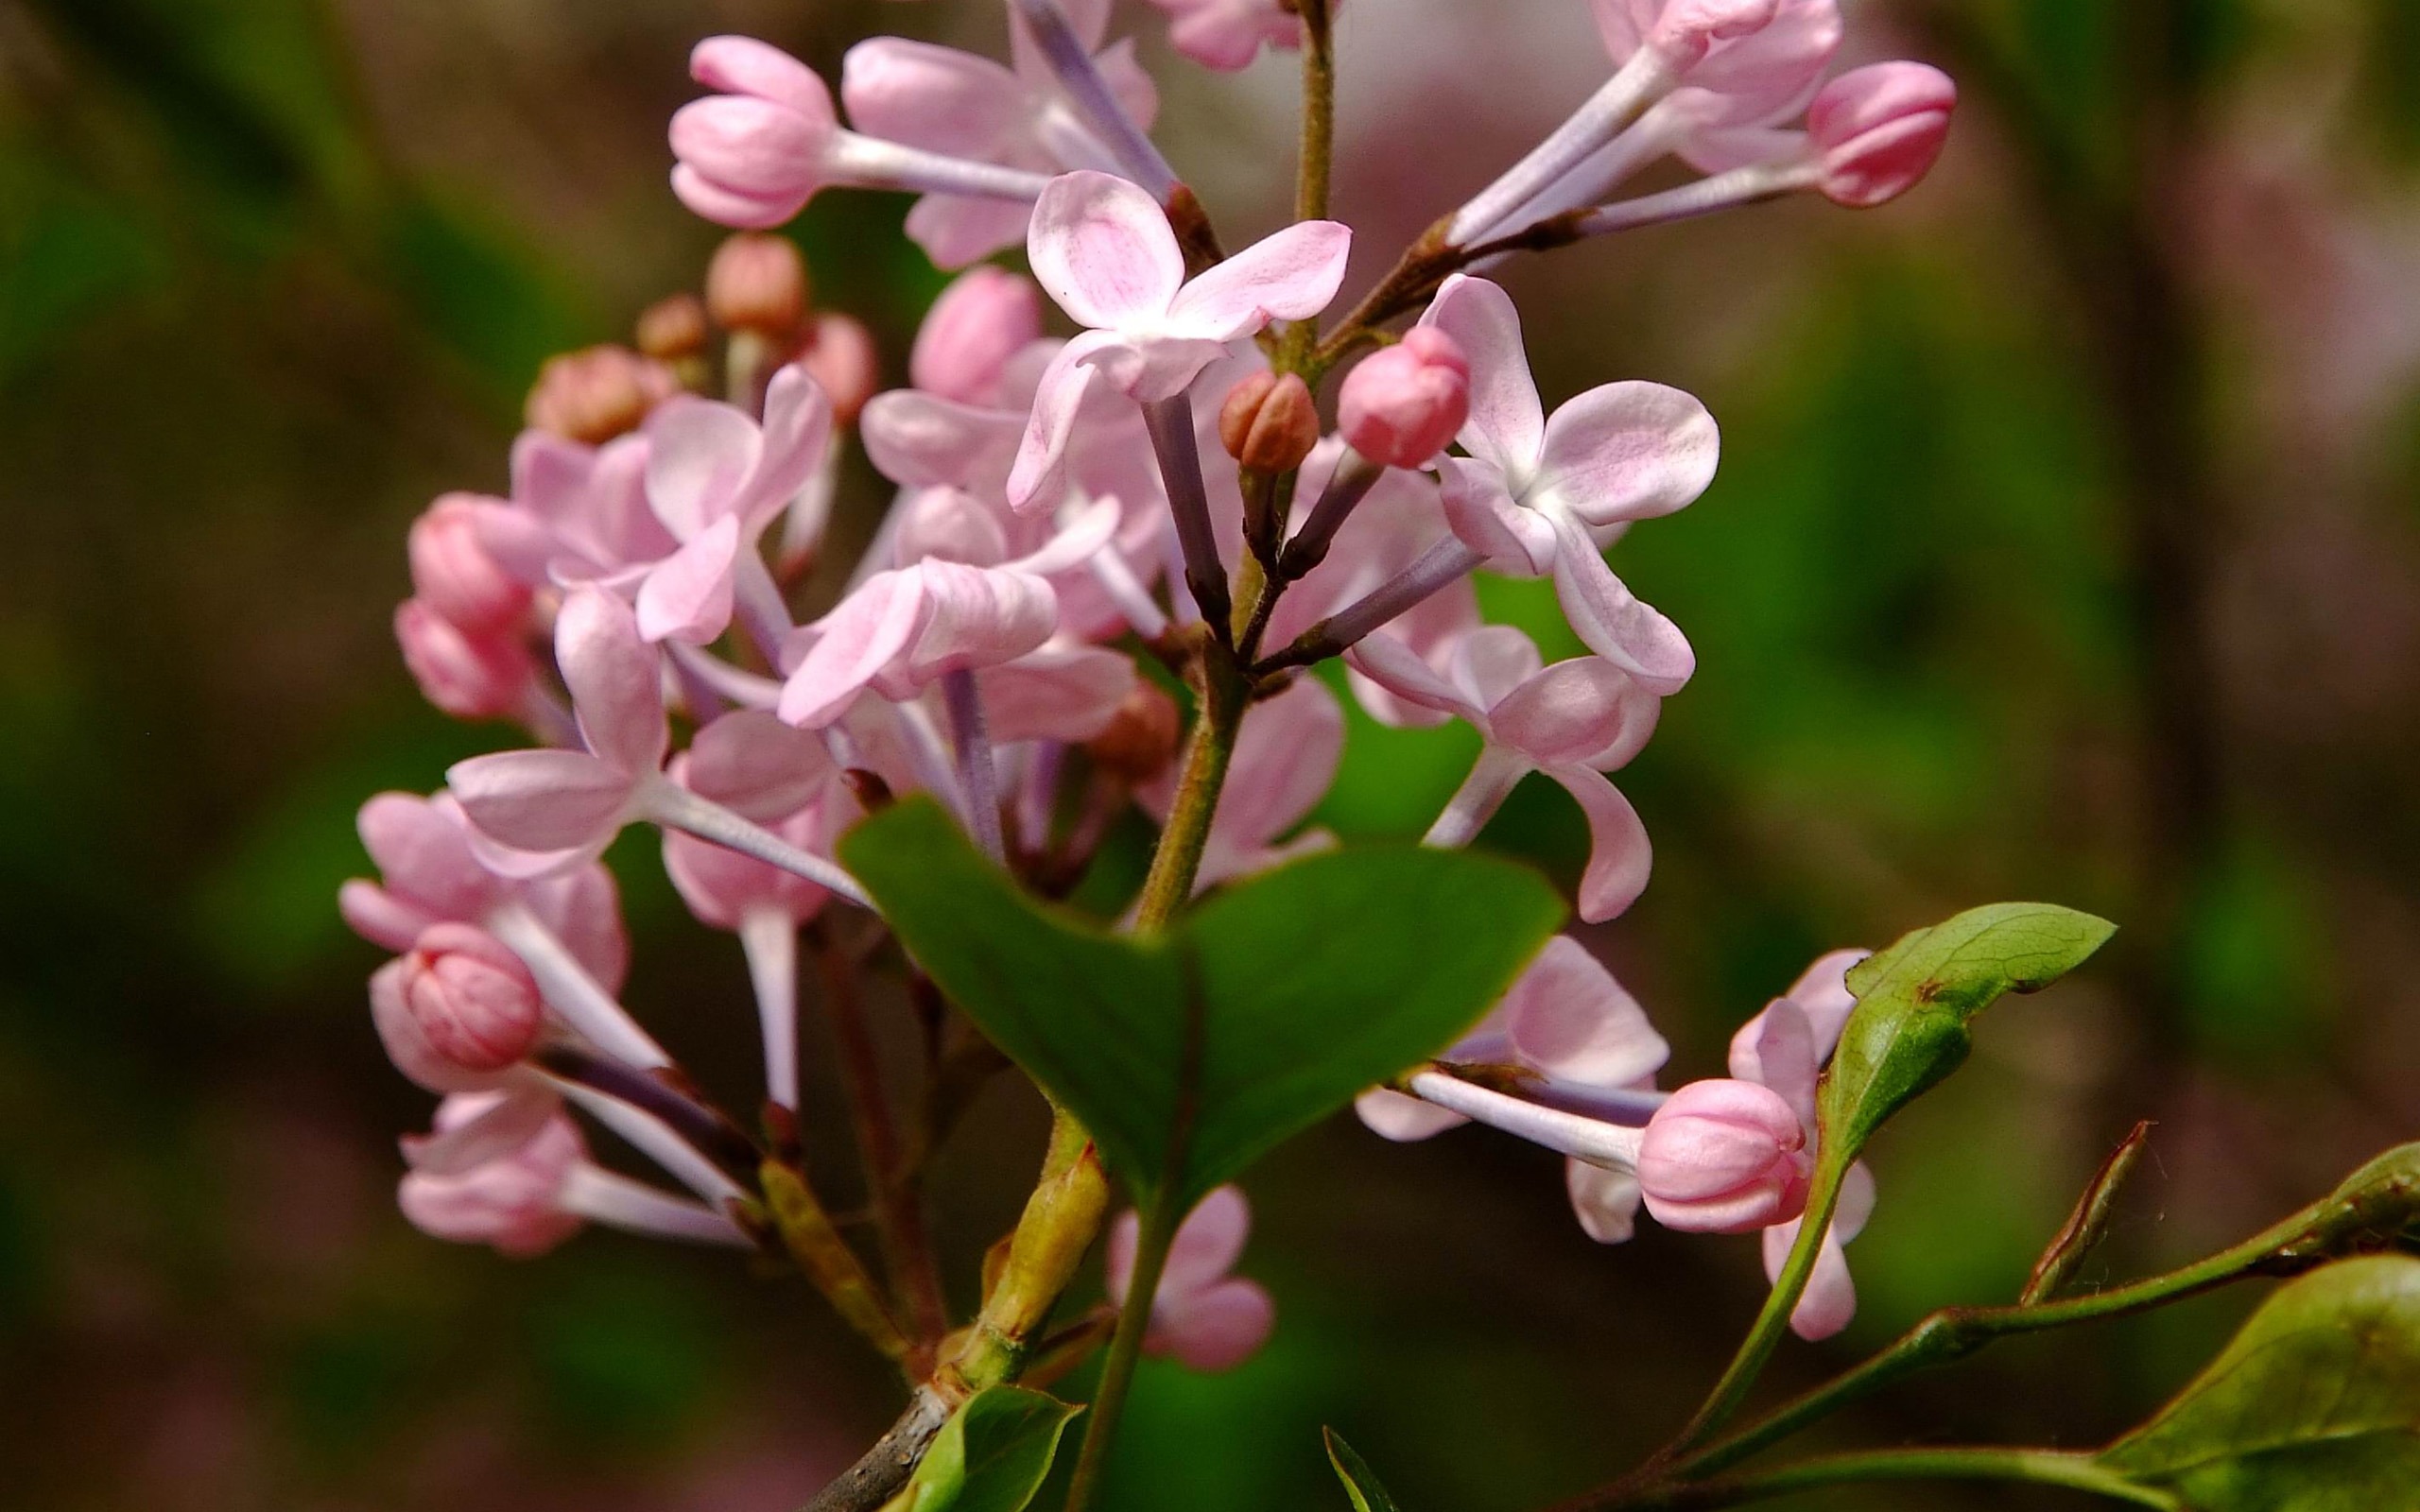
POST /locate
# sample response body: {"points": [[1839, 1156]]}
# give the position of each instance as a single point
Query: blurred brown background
{"points": [[2064, 547]]}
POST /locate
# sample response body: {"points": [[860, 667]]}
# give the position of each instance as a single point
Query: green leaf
{"points": [[1917, 1001], [2315, 1406], [992, 1454], [1360, 1482], [1189, 1052]]}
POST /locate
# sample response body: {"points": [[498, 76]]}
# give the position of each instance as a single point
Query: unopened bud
{"points": [[1141, 738], [512, 1200], [982, 321], [1724, 1157], [472, 999], [1880, 129], [757, 282], [593, 396], [1403, 405], [1269, 423], [470, 675], [840, 356], [454, 574], [673, 328]]}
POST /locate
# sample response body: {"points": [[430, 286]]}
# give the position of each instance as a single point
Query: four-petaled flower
{"points": [[1201, 1316]]}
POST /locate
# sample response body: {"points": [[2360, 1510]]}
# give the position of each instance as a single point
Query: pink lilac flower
{"points": [[577, 514], [1570, 1025], [1785, 1048], [968, 107], [1103, 250], [1537, 491], [1201, 1315], [754, 154], [1229, 34], [1573, 721]]}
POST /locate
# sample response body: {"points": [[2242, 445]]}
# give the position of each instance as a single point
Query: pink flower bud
{"points": [[673, 328], [1402, 406], [755, 153], [757, 282], [454, 574], [1880, 129], [474, 1002], [840, 356], [468, 675], [1269, 424], [982, 321], [1724, 1157], [511, 1201], [594, 395]]}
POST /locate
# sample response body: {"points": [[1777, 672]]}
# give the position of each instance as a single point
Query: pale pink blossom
{"points": [[1403, 405], [1724, 1157], [1201, 1315], [454, 574], [577, 514], [968, 107], [754, 154], [986, 316], [1570, 1026], [1536, 490], [1229, 34], [468, 673], [1103, 250], [715, 478], [511, 1200], [1573, 721]]}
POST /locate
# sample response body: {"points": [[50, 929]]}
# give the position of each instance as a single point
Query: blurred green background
{"points": [[2064, 547]]}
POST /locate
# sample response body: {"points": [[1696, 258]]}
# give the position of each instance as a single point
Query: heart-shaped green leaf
{"points": [[2315, 1406], [993, 1453], [1917, 1000], [1360, 1482], [1190, 1052]]}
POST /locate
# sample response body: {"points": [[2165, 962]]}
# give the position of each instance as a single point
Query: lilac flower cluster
{"points": [[1067, 510]]}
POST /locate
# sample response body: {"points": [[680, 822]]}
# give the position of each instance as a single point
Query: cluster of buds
{"points": [[1066, 508]]}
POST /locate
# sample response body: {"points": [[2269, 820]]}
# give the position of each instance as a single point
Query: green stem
{"points": [[1765, 1335], [1124, 1351], [1316, 155], [1221, 693], [2035, 1466]]}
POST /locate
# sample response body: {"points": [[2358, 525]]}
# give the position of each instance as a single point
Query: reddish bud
{"points": [[594, 395], [453, 572], [1724, 1157], [474, 1002], [1880, 129], [1269, 423], [673, 328], [757, 282], [987, 316], [1403, 405], [840, 356], [470, 675]]}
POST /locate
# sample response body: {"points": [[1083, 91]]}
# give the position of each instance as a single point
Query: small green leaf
{"points": [[2315, 1406], [1360, 1482], [1192, 1052], [992, 1456], [1917, 1000]]}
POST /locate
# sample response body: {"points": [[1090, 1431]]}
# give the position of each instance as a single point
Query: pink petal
{"points": [[938, 98], [1483, 517], [1392, 1115], [1490, 661], [977, 617], [1288, 276], [1821, 991], [380, 917], [1629, 451], [1075, 542], [500, 1122], [1777, 1049], [419, 852], [687, 597], [950, 523], [614, 677], [542, 802], [986, 316], [1039, 478], [584, 909], [956, 229], [1507, 424], [1127, 80], [1609, 619], [1570, 1019], [726, 206], [700, 454], [921, 440], [1103, 248], [1395, 667], [1207, 1245], [1858, 1197], [1770, 69], [1058, 692], [1829, 1302], [757, 766], [1605, 1202], [870, 628], [1216, 1330], [1284, 762], [797, 429], [750, 147], [743, 65], [1580, 712], [1619, 855]]}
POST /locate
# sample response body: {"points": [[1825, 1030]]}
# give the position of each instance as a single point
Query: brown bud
{"points": [[757, 282], [673, 328], [1269, 423], [1141, 738], [596, 394]]}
